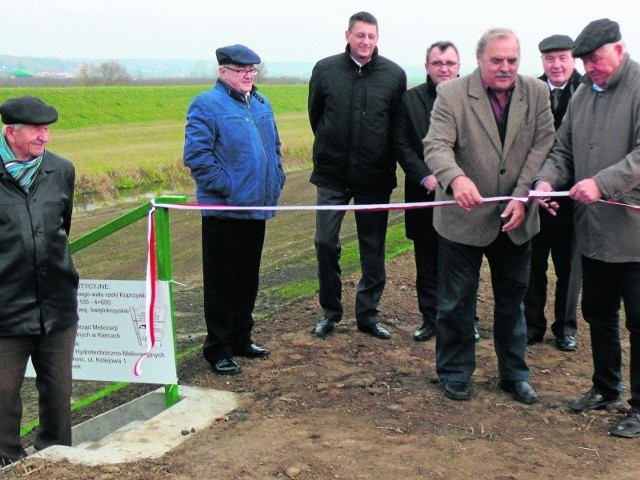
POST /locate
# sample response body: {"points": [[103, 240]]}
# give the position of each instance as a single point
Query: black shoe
{"points": [[628, 427], [521, 391], [5, 462], [591, 400], [226, 366], [531, 339], [425, 332], [457, 390], [324, 327], [566, 343], [252, 350], [376, 330]]}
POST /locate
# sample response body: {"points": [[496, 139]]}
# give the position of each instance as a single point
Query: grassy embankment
{"points": [[131, 137]]}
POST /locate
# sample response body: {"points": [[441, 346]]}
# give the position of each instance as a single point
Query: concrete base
{"points": [[143, 428]]}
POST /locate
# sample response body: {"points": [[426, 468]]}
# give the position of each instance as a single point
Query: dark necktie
{"points": [[556, 92]]}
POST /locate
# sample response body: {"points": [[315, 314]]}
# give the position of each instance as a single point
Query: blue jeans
{"points": [[459, 272], [372, 233], [51, 355], [604, 286]]}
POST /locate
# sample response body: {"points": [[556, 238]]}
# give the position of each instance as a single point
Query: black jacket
{"points": [[564, 215], [38, 282], [410, 127], [565, 96], [351, 110]]}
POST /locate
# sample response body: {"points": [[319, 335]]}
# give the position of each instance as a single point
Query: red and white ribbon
{"points": [[150, 292], [151, 253]]}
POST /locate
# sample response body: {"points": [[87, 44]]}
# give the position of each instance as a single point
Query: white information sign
{"points": [[112, 334]]}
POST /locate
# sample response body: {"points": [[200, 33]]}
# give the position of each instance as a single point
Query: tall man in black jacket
{"points": [[411, 126], [352, 100], [556, 232]]}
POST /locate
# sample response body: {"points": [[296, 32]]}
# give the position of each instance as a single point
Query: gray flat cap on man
{"points": [[27, 111], [555, 43], [237, 54], [596, 34]]}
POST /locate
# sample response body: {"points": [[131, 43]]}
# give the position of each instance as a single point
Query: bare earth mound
{"points": [[354, 407]]}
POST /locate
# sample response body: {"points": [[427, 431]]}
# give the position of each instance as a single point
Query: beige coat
{"points": [[463, 139]]}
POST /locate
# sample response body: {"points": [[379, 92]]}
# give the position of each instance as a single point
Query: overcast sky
{"points": [[288, 30]]}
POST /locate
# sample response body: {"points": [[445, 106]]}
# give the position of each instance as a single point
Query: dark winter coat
{"points": [[410, 127], [38, 282], [351, 110]]}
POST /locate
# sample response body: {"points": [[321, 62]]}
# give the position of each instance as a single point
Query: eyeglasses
{"points": [[363, 36], [438, 64], [242, 72]]}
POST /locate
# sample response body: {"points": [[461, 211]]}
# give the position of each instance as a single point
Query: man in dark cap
{"points": [[353, 97], [597, 150], [556, 231], [38, 282], [233, 150]]}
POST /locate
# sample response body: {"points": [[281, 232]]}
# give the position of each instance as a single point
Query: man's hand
{"points": [[465, 193], [586, 191], [430, 183], [545, 202], [515, 210]]}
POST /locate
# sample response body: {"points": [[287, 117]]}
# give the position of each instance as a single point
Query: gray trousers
{"points": [[52, 356], [372, 232]]}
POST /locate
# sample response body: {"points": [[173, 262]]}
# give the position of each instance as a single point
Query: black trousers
{"points": [[459, 274], [231, 254], [558, 241], [426, 256], [605, 285]]}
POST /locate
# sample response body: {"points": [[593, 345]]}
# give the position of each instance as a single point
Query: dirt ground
{"points": [[354, 407]]}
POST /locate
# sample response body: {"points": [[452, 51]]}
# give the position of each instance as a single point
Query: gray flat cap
{"points": [[596, 34], [555, 43], [237, 54], [27, 111]]}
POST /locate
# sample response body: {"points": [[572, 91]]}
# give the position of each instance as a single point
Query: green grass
{"points": [[132, 137], [88, 107]]}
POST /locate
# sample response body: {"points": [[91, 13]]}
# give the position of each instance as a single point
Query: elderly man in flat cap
{"points": [[597, 149], [233, 150], [556, 231], [38, 282]]}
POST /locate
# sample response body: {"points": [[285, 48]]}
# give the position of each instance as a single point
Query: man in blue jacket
{"points": [[353, 97], [233, 150]]}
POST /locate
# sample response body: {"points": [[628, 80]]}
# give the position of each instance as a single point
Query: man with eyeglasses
{"points": [[411, 126], [233, 150], [490, 132], [598, 151], [352, 100], [555, 238]]}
